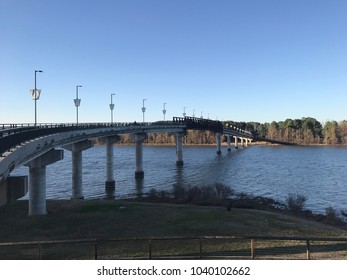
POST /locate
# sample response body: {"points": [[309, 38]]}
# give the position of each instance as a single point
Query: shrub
{"points": [[223, 191], [295, 203], [243, 200], [152, 195], [332, 217], [203, 195], [179, 193]]}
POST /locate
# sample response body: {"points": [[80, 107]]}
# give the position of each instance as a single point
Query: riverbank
{"points": [[107, 219], [224, 144]]}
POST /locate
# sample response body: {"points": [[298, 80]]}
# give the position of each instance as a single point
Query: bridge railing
{"points": [[5, 128], [12, 135], [10, 138], [211, 125], [199, 123]]}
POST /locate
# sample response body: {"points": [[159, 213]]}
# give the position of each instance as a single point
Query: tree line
{"points": [[193, 137], [303, 131]]}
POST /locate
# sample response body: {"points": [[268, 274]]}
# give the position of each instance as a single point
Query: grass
{"points": [[104, 219]]}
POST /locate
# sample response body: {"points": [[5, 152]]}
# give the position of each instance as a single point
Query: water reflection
{"points": [[110, 194], [139, 185], [178, 179]]}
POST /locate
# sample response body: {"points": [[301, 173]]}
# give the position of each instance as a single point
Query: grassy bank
{"points": [[103, 219]]}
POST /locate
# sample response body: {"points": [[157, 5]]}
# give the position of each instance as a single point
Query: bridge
{"points": [[35, 146]]}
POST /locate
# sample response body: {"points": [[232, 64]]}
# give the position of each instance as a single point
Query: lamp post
{"points": [[201, 114], [77, 103], [36, 95], [193, 113], [112, 107], [184, 112], [164, 111], [143, 110]]}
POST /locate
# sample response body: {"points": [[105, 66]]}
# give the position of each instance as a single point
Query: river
{"points": [[318, 173]]}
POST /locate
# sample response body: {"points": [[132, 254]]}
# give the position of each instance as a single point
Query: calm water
{"points": [[319, 173]]}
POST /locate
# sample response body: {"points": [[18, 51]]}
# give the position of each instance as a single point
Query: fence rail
{"points": [[204, 247]]}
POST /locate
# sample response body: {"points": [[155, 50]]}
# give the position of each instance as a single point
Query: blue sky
{"points": [[249, 60]]}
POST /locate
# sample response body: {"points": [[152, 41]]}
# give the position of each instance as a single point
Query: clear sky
{"points": [[242, 60]]}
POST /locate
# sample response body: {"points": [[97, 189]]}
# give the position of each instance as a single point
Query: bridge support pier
{"points": [[110, 183], [246, 142], [219, 143], [76, 150], [139, 173], [228, 141], [236, 142], [179, 149], [37, 180], [242, 144]]}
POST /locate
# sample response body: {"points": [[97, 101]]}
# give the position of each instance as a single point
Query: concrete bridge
{"points": [[36, 147]]}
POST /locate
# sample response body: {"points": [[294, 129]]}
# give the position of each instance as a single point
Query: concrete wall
{"points": [[12, 188]]}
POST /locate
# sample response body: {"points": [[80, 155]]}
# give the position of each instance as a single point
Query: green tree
{"points": [[331, 133], [342, 130], [312, 130], [273, 131]]}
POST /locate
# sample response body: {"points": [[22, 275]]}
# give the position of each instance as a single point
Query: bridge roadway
{"points": [[35, 147]]}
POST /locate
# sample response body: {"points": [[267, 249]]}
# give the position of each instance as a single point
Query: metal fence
{"points": [[204, 247]]}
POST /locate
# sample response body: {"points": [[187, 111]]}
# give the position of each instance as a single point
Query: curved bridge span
{"points": [[36, 147]]}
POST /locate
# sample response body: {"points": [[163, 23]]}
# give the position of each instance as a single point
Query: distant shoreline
{"points": [[260, 143]]}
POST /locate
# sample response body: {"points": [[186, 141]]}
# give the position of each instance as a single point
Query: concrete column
{"points": [[37, 180], [228, 141], [110, 183], [76, 150], [37, 190], [179, 149], [76, 191], [139, 173], [236, 142], [246, 142], [219, 142], [242, 144]]}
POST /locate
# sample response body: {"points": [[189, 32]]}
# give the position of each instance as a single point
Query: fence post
{"points": [[40, 256], [95, 250], [308, 253], [150, 248], [200, 247], [252, 249]]}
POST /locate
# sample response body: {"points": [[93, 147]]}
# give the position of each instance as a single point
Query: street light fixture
{"points": [[193, 113], [77, 103], [201, 114], [112, 107], [143, 110], [164, 111], [184, 112], [35, 94]]}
